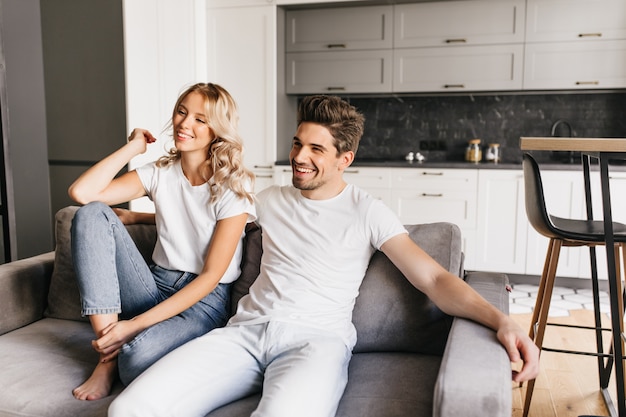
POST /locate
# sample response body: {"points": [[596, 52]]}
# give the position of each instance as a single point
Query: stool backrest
{"points": [[535, 200]]}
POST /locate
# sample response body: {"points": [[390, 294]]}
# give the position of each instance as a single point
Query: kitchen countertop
{"points": [[552, 166]]}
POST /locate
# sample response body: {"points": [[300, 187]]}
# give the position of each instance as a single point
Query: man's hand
{"points": [[520, 348]]}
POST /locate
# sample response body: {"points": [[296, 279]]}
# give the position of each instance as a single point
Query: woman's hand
{"points": [[113, 337], [142, 138]]}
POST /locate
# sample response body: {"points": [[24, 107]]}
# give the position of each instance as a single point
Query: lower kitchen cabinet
{"points": [[565, 197], [438, 195], [501, 222]]}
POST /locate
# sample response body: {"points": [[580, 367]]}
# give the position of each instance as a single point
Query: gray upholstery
{"points": [[407, 361]]}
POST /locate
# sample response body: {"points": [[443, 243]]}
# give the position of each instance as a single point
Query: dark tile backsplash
{"points": [[440, 126]]}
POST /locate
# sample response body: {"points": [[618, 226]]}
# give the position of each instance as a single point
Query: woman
{"points": [[201, 192]]}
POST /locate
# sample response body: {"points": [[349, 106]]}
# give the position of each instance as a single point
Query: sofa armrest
{"points": [[24, 290], [475, 374]]}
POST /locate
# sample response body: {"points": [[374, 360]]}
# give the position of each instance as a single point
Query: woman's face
{"points": [[191, 129]]}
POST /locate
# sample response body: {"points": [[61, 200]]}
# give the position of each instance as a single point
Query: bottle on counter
{"points": [[473, 153], [493, 153]]}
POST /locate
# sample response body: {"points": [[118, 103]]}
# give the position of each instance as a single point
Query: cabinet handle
{"points": [[587, 82], [336, 45], [454, 86], [351, 171], [431, 195], [458, 40], [432, 173], [336, 88], [286, 170], [265, 176], [263, 166], [590, 35]]}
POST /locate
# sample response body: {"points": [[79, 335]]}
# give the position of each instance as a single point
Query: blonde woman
{"points": [[201, 191]]}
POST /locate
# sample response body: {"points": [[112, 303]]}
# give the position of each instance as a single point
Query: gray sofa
{"points": [[410, 359]]}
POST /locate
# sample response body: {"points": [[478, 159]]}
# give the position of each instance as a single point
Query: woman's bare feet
{"points": [[99, 383]]}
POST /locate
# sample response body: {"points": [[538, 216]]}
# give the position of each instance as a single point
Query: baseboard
{"points": [[567, 282]]}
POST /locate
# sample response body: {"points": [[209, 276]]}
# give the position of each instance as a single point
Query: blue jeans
{"points": [[114, 278]]}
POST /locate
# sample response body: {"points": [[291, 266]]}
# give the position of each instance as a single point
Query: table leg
{"points": [[614, 294]]}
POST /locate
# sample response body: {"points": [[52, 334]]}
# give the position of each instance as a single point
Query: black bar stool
{"points": [[566, 232]]}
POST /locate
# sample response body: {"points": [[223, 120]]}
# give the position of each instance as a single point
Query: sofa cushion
{"points": [[63, 297], [42, 363], [392, 315]]}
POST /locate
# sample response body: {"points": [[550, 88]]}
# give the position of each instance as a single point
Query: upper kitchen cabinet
{"points": [[575, 44], [575, 20], [575, 65], [459, 23], [458, 46], [340, 29], [338, 50], [339, 73], [244, 62], [463, 68]]}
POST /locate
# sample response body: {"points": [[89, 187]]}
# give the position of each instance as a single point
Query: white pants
{"points": [[302, 372]]}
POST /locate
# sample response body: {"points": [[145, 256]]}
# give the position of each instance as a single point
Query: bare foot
{"points": [[99, 383]]}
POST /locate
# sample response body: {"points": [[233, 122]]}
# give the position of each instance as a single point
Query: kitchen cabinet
{"points": [[501, 222], [461, 68], [506, 242], [458, 46], [244, 62], [575, 44], [339, 72], [338, 50], [575, 20], [338, 29], [453, 23], [564, 195], [575, 65], [617, 185], [434, 195]]}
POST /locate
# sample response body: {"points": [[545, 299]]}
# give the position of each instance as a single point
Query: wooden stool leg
{"points": [[542, 307]]}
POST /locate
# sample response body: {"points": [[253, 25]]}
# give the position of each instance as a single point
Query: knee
{"points": [[89, 214], [89, 211]]}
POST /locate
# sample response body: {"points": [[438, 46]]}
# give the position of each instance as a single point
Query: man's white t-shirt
{"points": [[315, 254], [185, 219]]}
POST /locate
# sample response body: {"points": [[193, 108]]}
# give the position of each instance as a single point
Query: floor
{"points": [[522, 300]]}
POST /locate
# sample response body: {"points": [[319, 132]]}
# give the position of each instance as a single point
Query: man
{"points": [[292, 335]]}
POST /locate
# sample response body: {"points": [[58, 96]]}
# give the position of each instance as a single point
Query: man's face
{"points": [[316, 168]]}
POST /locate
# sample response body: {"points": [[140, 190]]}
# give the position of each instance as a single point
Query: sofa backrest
{"points": [[389, 315]]}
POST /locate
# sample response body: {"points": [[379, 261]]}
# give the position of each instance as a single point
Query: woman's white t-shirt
{"points": [[185, 219]]}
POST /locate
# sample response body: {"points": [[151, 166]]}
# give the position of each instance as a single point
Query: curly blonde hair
{"points": [[225, 156]]}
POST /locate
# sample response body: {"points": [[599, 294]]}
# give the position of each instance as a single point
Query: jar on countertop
{"points": [[493, 153], [473, 153]]}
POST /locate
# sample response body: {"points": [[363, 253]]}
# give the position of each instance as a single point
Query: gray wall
{"points": [[24, 128], [63, 104], [83, 50]]}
